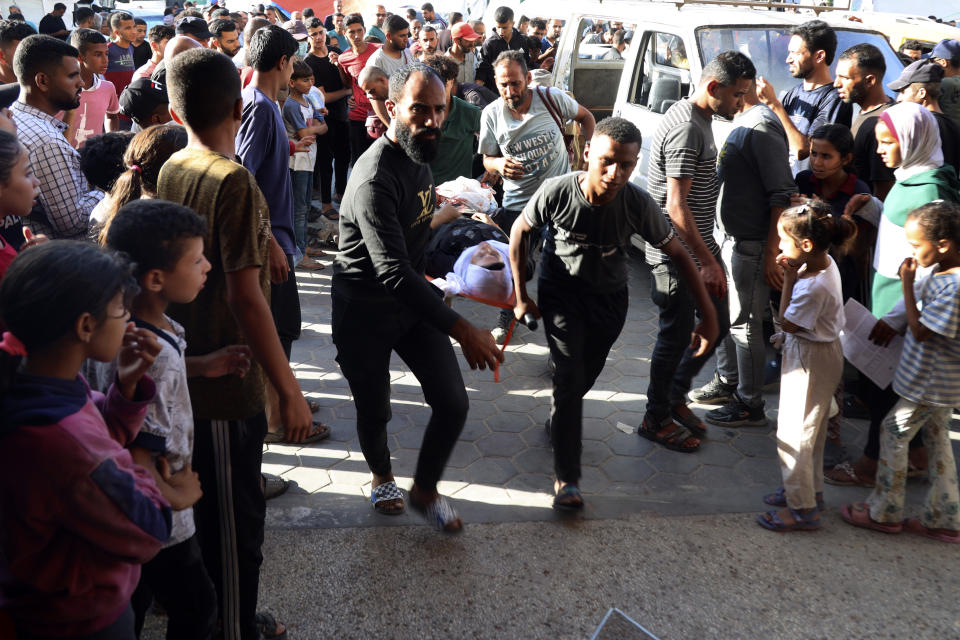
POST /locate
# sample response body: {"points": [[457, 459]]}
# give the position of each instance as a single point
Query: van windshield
{"points": [[767, 48]]}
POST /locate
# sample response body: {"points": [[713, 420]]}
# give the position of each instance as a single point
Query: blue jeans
{"points": [[741, 355], [673, 365], [302, 195]]}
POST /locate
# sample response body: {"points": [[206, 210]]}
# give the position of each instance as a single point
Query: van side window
{"points": [[663, 75]]}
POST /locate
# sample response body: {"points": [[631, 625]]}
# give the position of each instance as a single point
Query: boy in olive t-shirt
{"points": [[229, 419]]}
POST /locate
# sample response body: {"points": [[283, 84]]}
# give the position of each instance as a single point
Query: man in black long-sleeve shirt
{"points": [[382, 303], [504, 37]]}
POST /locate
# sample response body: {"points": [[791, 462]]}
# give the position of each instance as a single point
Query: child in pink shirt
{"points": [[98, 100]]}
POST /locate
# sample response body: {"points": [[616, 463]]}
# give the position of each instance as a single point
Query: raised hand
{"points": [[140, 348]]}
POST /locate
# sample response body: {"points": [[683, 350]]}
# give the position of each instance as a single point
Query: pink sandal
{"points": [[858, 514], [913, 525]]}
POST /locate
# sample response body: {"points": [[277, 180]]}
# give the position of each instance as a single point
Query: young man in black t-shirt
{"points": [[333, 148], [590, 217], [383, 304]]}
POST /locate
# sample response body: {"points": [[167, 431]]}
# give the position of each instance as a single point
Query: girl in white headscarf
{"points": [[908, 140]]}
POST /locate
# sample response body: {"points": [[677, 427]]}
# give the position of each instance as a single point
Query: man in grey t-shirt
{"points": [[521, 141], [589, 218], [683, 180]]}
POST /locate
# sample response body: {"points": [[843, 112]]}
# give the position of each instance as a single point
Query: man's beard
{"points": [[857, 93], [68, 103], [515, 102], [421, 150], [803, 71]]}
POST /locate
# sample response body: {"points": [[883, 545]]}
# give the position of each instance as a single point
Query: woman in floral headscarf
{"points": [[908, 140]]}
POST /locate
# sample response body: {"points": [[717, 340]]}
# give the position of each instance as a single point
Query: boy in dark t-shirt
{"points": [[590, 217], [121, 65]]}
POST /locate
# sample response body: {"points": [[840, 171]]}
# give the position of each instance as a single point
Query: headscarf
{"points": [[918, 133], [473, 280]]}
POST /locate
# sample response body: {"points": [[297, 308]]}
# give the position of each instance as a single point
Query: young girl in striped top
{"points": [[927, 381]]}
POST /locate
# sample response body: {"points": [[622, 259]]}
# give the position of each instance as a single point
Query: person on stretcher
{"points": [[471, 256]]}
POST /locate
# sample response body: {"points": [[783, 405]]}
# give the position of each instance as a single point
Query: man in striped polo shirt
{"points": [[683, 179]]}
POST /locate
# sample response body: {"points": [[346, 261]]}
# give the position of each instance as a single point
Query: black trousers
{"points": [[333, 158], [580, 330], [178, 580], [366, 333], [673, 365], [359, 140], [230, 516], [285, 307]]}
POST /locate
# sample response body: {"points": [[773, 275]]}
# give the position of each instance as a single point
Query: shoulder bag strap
{"points": [[551, 108]]}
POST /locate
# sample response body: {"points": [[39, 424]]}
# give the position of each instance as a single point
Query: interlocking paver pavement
{"points": [[503, 458], [332, 568]]}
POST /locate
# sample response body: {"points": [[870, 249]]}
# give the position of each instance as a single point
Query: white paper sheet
{"points": [[876, 362]]}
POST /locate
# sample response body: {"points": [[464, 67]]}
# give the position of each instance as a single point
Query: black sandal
{"points": [[674, 439], [267, 625]]}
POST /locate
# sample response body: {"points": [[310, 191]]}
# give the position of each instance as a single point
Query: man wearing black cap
{"points": [[947, 55], [920, 82], [145, 102], [195, 29]]}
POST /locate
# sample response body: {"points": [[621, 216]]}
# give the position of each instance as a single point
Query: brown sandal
{"points": [[844, 475]]}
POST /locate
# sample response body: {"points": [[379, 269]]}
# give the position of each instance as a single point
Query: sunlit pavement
{"points": [[501, 469]]}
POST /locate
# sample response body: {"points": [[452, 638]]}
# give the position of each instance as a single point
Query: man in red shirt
{"points": [[351, 63]]}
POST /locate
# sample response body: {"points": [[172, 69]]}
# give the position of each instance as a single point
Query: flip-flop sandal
{"points": [[914, 526], [319, 432], [313, 252], [274, 486], [844, 475], [383, 493], [802, 521], [692, 423], [268, 625], [779, 499], [330, 214], [574, 499], [672, 440], [439, 513], [858, 514]]}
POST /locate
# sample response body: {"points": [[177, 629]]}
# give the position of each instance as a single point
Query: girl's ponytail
{"points": [[127, 188], [844, 232], [814, 221], [144, 158]]}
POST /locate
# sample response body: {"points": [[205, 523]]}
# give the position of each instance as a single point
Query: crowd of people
{"points": [[157, 190]]}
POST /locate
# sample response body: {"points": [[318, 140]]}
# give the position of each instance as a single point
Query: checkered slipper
{"points": [[384, 493], [439, 513]]}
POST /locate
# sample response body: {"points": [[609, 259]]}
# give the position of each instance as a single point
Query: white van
{"points": [[670, 47]]}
